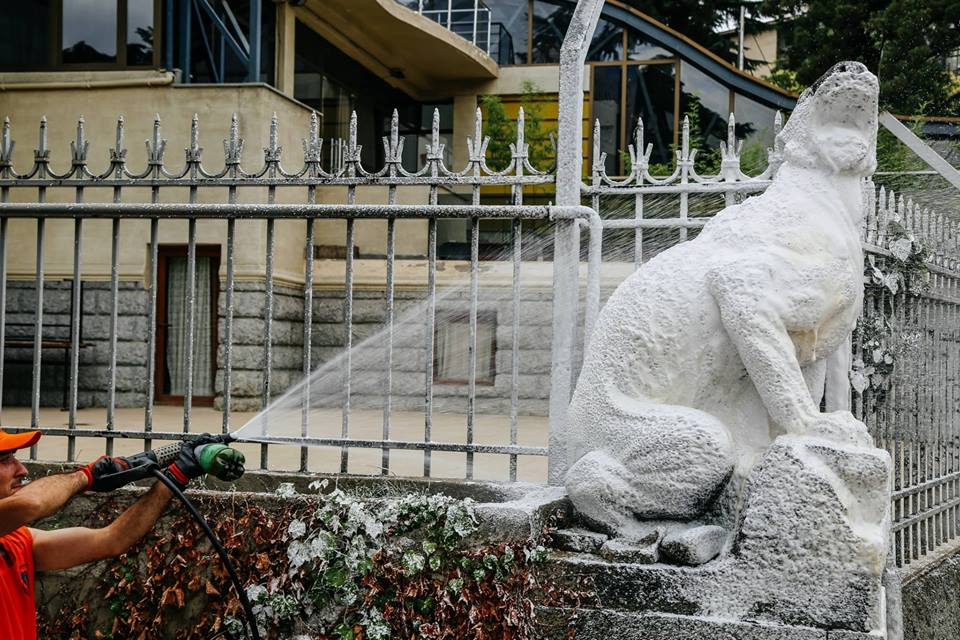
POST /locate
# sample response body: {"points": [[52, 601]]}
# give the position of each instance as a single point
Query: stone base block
{"points": [[556, 624]]}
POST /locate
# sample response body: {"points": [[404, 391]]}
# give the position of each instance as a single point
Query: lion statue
{"points": [[712, 349]]}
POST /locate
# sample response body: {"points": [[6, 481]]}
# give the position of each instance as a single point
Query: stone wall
{"points": [[931, 609], [329, 339], [369, 337], [94, 373]]}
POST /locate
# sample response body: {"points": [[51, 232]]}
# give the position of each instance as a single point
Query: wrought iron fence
{"points": [[906, 350], [906, 373], [346, 171]]}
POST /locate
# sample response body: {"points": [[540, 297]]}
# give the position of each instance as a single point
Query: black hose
{"points": [[241, 592]]}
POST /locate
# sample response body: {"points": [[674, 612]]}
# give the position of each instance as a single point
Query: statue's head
{"points": [[834, 125]]}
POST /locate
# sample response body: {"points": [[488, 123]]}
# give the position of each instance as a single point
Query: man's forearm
{"points": [[39, 499], [138, 518]]}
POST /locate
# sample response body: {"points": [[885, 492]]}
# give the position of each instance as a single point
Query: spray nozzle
{"points": [[221, 461]]}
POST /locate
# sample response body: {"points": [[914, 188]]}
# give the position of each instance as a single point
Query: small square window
{"points": [[452, 348]]}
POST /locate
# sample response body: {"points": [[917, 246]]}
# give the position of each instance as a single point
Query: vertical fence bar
{"points": [[430, 320], [307, 330], [75, 311], [3, 295], [41, 155], [516, 248], [37, 333], [388, 366], [152, 323], [393, 162], [640, 159], [685, 165], [472, 343], [228, 321], [268, 325], [566, 252], [114, 309], [191, 319], [272, 155], [79, 152], [348, 338]]}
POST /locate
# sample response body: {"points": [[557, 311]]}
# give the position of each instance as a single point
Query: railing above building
{"points": [[472, 20]]}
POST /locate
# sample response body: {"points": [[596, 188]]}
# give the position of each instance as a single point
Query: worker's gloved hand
{"points": [[186, 467], [107, 473]]}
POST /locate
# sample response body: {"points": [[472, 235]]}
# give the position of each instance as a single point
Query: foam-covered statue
{"points": [[696, 422]]}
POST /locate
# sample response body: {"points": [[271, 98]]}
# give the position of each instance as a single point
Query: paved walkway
{"points": [[364, 424]]}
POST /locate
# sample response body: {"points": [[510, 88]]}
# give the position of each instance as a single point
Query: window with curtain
{"points": [[176, 318], [451, 348]]}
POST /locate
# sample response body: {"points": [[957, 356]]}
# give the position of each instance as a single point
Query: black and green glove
{"points": [[186, 467], [108, 473]]}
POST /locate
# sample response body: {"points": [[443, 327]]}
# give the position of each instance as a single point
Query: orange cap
{"points": [[14, 441]]}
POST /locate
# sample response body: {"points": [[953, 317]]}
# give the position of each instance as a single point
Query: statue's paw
{"points": [[841, 427], [693, 546]]}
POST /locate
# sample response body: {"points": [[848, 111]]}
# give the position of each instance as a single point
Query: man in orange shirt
{"points": [[24, 550]]}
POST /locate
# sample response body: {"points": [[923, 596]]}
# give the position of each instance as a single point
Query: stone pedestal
{"points": [[808, 557]]}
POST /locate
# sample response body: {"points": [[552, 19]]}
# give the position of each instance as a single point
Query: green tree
{"points": [[502, 131], [903, 41]]}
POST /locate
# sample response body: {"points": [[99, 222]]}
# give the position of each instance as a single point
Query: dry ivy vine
{"points": [[320, 567]]}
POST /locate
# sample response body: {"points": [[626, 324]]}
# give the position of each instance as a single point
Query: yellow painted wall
{"points": [[176, 105]]}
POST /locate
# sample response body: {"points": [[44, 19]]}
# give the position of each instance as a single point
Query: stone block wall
{"points": [[94, 368], [328, 342], [369, 338]]}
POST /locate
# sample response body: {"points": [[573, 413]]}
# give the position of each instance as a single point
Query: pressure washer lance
{"points": [[215, 458]]}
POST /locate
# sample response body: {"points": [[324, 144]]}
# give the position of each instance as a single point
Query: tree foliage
{"points": [[903, 41], [502, 131]]}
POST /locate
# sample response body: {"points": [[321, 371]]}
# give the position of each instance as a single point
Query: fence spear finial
{"points": [[233, 146], [157, 146], [477, 145], [436, 149], [42, 145], [597, 154], [119, 139], [394, 130], [118, 153], [272, 151], [79, 147], [156, 130], [521, 126], [274, 131], [352, 132], [312, 144]]}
